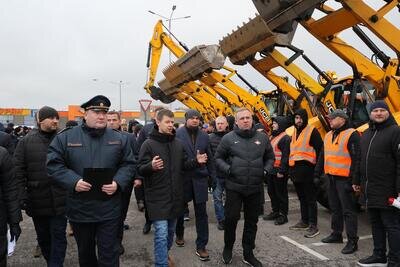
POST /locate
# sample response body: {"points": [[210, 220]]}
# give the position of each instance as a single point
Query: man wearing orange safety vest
{"points": [[304, 150], [340, 161], [278, 178]]}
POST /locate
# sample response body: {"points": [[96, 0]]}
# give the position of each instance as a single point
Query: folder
{"points": [[97, 177]]}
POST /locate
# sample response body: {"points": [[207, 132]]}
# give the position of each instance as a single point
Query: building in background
{"points": [[26, 117]]}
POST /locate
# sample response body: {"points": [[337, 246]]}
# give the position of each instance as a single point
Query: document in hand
{"points": [[97, 177], [11, 244]]}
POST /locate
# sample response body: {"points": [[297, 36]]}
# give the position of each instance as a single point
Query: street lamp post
{"points": [[120, 84]]}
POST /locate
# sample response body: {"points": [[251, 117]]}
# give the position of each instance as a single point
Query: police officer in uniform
{"points": [[340, 160], [93, 147]]}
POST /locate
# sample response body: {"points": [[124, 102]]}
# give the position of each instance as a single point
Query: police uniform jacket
{"points": [[73, 150]]}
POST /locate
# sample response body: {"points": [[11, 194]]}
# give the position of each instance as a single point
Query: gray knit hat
{"points": [[192, 113]]}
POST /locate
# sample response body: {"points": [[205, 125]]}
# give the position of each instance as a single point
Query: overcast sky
{"points": [[61, 52]]}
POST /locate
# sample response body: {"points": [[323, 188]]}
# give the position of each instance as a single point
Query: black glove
{"points": [[15, 231]]}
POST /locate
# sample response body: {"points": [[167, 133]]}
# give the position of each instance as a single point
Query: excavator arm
{"points": [[194, 95], [215, 92]]}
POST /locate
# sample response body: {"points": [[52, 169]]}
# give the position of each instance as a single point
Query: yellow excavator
{"points": [[194, 78], [279, 21], [193, 95], [282, 18]]}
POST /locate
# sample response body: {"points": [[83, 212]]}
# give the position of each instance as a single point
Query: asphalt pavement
{"points": [[275, 245]]}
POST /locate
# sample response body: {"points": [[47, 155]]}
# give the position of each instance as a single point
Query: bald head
{"points": [[221, 124]]}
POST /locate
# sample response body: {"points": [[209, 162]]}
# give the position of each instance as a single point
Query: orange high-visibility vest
{"points": [[277, 151], [337, 160], [300, 148]]}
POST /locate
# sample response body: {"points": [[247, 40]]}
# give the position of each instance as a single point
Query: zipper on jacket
{"points": [[366, 167]]}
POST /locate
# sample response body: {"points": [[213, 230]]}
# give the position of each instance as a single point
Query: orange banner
{"points": [[15, 111]]}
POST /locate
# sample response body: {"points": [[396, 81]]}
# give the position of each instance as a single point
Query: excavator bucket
{"points": [[275, 25], [280, 14], [255, 36], [167, 88], [190, 67]]}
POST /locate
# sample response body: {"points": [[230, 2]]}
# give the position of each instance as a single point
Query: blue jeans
{"points": [[51, 238], [218, 204], [163, 238]]}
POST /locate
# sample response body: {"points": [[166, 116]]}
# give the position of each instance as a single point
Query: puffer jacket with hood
{"points": [[283, 145], [245, 156], [303, 171], [380, 162]]}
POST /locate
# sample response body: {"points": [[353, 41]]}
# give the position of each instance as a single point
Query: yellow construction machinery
{"points": [[278, 18], [255, 42], [193, 77], [276, 27], [194, 95]]}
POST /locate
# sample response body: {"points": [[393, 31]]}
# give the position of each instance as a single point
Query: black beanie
{"points": [[192, 113], [45, 113], [379, 104]]}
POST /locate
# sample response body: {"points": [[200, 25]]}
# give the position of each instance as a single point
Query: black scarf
{"points": [[245, 133], [48, 135], [161, 137], [220, 134], [93, 132], [379, 126], [192, 131]]}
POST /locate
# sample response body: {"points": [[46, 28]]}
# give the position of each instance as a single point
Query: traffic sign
{"points": [[145, 104]]}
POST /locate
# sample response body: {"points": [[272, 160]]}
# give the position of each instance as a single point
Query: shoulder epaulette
{"points": [[65, 129]]}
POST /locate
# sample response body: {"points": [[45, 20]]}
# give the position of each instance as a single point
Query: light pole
{"points": [[120, 84], [170, 19]]}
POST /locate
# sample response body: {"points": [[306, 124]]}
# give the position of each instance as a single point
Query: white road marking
{"points": [[320, 244], [305, 248]]}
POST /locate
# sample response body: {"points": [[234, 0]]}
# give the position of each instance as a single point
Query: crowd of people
{"points": [[84, 176]]}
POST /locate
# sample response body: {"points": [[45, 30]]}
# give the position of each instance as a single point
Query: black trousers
{"points": [[200, 213], [139, 193], [104, 235], [307, 194], [343, 207], [386, 222], [278, 193], [51, 237], [126, 198], [251, 206], [3, 246]]}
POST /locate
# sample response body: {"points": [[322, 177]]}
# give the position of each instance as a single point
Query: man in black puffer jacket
{"points": [[42, 199], [139, 190], [245, 156], [7, 142], [380, 171], [162, 159], [10, 212]]}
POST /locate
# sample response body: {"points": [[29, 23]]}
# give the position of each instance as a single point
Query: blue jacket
{"points": [[196, 180], [73, 150]]}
